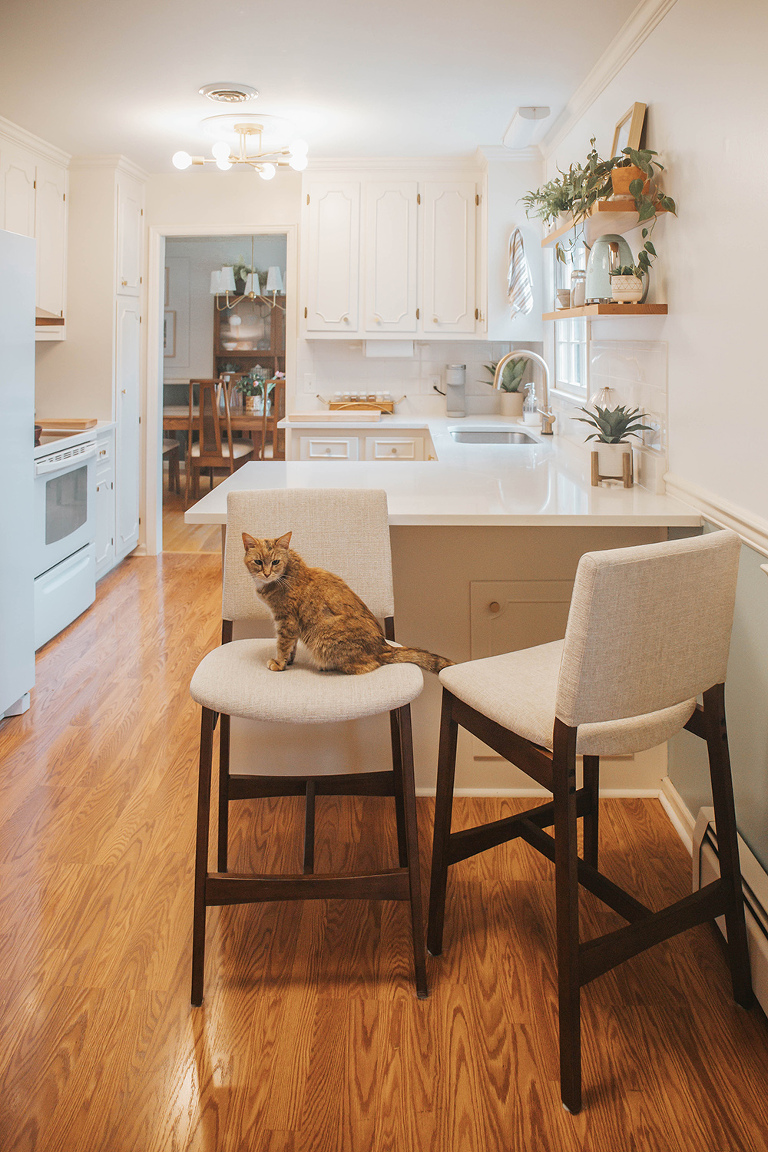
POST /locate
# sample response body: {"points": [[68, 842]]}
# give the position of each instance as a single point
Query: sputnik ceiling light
{"points": [[261, 140]]}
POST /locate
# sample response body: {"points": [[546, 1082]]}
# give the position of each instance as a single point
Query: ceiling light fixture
{"points": [[226, 93], [520, 130], [258, 146]]}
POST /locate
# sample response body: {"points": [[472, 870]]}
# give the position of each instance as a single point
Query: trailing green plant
{"points": [[252, 383], [511, 374], [613, 425]]}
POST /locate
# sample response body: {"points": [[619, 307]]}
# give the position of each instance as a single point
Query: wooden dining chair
{"points": [[214, 450], [274, 412], [171, 454], [648, 631], [347, 531]]}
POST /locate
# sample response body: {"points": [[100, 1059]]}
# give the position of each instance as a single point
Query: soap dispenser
{"points": [[455, 379]]}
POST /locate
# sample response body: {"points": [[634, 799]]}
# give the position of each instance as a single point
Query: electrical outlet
{"points": [[433, 382], [309, 382]]}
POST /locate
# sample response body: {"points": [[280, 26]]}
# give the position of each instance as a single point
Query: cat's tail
{"points": [[426, 660]]}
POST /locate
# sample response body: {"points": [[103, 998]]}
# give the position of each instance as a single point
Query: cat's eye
{"points": [[258, 563]]}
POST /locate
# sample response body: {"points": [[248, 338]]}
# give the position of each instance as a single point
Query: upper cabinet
{"points": [[33, 202], [391, 258], [130, 235]]}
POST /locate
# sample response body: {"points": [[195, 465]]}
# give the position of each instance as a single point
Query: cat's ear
{"points": [[248, 541], [284, 541]]}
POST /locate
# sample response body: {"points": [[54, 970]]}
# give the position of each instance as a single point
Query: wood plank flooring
{"points": [[310, 1036]]}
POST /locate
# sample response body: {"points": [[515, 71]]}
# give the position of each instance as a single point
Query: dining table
{"points": [[176, 419]]}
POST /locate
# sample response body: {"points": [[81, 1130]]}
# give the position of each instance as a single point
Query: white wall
{"points": [[702, 73]]}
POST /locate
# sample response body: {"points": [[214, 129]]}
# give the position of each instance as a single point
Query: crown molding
{"points": [[497, 152], [637, 29], [33, 143], [390, 163], [116, 162], [753, 529]]}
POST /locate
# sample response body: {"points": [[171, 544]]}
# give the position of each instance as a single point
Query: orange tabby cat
{"points": [[314, 606]]}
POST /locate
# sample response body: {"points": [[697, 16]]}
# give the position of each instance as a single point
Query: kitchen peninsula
{"points": [[485, 543]]}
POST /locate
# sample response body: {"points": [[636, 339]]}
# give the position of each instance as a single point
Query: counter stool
{"points": [[648, 631], [346, 532]]}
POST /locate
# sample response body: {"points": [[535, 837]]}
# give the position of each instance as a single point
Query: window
{"points": [[570, 335]]}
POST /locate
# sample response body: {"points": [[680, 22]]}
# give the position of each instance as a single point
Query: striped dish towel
{"points": [[519, 289]]}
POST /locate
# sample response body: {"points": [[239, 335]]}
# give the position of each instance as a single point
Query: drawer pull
{"points": [[495, 607]]}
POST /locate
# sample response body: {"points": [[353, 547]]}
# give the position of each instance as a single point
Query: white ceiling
{"points": [[358, 78]]}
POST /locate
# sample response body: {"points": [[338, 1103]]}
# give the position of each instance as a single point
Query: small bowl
{"points": [[229, 346], [563, 297]]}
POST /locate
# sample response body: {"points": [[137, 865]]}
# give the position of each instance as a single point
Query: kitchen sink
{"points": [[491, 436]]}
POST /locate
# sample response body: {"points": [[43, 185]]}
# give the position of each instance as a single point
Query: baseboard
{"points": [[678, 812]]}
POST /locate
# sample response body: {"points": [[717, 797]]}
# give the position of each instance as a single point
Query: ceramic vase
{"points": [[511, 404], [627, 289]]}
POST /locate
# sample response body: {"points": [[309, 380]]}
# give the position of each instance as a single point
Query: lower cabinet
{"points": [[105, 501], [325, 444]]}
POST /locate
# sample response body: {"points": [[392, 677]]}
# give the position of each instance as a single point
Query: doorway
{"points": [[195, 332]]}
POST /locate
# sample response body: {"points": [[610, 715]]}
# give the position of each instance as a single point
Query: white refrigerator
{"points": [[17, 420]]}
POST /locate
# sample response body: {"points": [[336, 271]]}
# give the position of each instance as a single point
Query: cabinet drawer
{"points": [[328, 448], [394, 448]]}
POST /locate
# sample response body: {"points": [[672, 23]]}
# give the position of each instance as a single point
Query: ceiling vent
{"points": [[227, 93]]}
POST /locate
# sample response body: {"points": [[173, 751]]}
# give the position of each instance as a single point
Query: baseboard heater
{"points": [[706, 868]]}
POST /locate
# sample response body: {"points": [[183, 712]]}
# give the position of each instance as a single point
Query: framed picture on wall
{"points": [[629, 130], [169, 332]]}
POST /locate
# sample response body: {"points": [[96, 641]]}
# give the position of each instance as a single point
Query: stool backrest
{"points": [[648, 627], [342, 530]]}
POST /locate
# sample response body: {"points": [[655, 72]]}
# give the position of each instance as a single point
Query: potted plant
{"points": [[251, 386], [511, 388], [612, 427]]}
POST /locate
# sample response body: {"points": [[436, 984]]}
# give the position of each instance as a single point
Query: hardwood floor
{"points": [[310, 1036], [181, 537]]}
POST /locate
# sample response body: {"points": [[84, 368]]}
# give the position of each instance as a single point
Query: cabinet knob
{"points": [[377, 318], [124, 283], [327, 451], [394, 451], [345, 318], [494, 607], [435, 320]]}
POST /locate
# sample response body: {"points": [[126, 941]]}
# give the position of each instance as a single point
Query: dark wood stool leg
{"points": [[567, 902], [201, 853], [309, 829], [412, 844], [446, 770], [223, 838], [590, 821], [397, 771], [727, 842]]}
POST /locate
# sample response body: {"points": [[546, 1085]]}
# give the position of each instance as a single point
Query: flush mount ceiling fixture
{"points": [[228, 93], [260, 141]]}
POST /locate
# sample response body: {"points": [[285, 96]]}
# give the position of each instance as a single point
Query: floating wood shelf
{"points": [[590, 310], [615, 216]]}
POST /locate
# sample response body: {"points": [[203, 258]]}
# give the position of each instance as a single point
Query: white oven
{"points": [[64, 520]]}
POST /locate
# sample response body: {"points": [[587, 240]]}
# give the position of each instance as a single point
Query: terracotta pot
{"points": [[621, 178], [511, 403]]}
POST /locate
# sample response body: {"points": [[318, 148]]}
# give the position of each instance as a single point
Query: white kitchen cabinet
{"points": [[333, 267], [130, 235], [328, 443], [51, 235], [391, 257], [105, 501], [33, 202], [127, 444], [394, 448], [449, 240], [328, 447]]}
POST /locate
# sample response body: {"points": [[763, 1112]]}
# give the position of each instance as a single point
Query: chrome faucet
{"points": [[547, 415]]}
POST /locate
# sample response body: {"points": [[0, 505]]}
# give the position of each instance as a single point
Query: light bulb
{"points": [[298, 148], [181, 159], [220, 150], [267, 171], [298, 163], [224, 165]]}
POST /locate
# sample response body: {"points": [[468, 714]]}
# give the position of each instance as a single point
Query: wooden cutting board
{"points": [[76, 424]]}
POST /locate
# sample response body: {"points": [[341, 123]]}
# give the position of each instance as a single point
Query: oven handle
{"points": [[44, 467]]}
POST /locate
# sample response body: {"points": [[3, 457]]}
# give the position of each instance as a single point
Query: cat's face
{"points": [[266, 560]]}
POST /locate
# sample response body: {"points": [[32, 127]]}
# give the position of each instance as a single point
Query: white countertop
{"points": [[484, 484]]}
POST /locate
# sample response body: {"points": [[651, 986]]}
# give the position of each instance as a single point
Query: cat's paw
{"points": [[275, 667]]}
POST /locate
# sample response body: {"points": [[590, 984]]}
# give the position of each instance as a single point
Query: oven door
{"points": [[65, 493]]}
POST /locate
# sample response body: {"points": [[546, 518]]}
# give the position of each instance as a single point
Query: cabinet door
{"points": [[17, 190], [332, 283], [127, 457], [105, 503], [391, 254], [130, 230], [51, 235], [448, 257]]}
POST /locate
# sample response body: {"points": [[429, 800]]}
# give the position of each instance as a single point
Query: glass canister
{"points": [[578, 288]]}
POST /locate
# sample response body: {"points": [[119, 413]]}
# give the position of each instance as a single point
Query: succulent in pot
{"points": [[626, 285], [512, 391], [612, 427]]}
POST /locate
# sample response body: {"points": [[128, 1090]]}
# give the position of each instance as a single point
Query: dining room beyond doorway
{"points": [[223, 319]]}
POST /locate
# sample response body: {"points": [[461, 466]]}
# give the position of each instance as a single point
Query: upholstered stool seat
{"points": [[518, 691], [235, 679]]}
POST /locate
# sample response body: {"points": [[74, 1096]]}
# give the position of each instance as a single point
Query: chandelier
{"points": [[223, 286], [251, 149]]}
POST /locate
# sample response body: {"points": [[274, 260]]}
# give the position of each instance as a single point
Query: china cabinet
{"points": [[248, 333]]}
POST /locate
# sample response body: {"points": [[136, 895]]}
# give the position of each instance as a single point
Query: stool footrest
{"points": [[235, 888], [606, 952], [340, 784]]}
